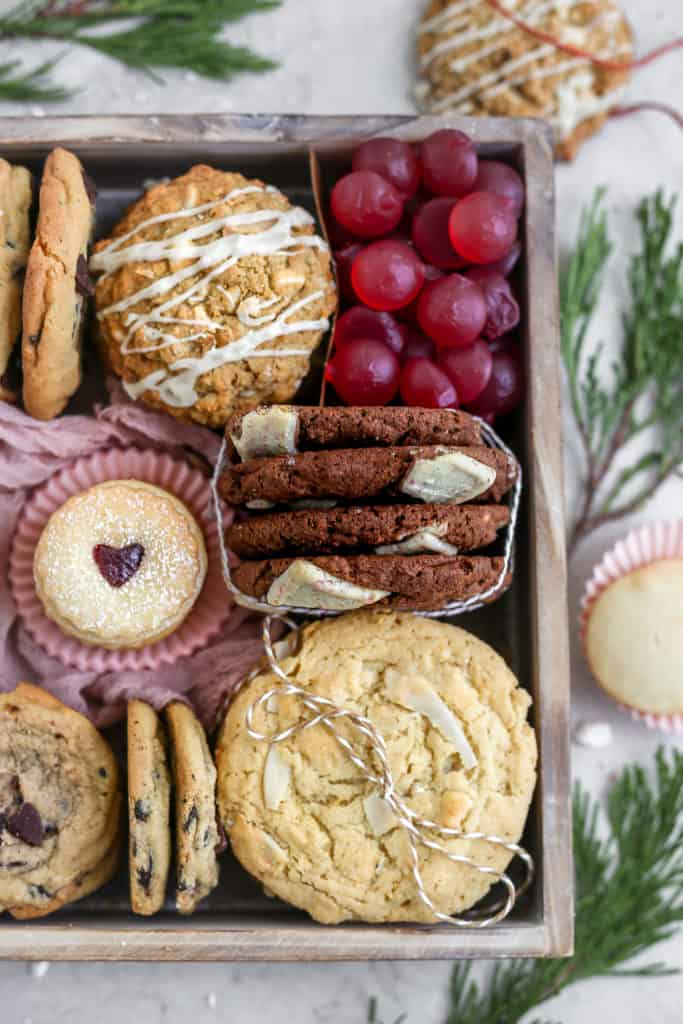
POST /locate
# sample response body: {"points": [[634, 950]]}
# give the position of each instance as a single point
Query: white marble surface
{"points": [[356, 57]]}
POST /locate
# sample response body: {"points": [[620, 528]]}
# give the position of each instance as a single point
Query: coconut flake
{"points": [[276, 779], [416, 694]]}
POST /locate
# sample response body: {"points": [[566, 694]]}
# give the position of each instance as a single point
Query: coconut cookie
{"points": [[57, 286], [15, 241], [149, 805], [474, 61], [60, 804], [196, 829], [120, 565], [303, 819], [215, 291]]}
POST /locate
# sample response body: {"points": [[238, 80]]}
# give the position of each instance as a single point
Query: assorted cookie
{"points": [[15, 241], [304, 820], [60, 805], [383, 522]]}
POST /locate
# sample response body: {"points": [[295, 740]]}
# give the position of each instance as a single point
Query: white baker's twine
{"points": [[325, 712]]}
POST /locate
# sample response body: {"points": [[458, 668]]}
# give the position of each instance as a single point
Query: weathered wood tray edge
{"points": [[127, 938]]}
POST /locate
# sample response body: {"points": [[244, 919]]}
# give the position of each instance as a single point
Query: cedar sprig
{"points": [[642, 394], [32, 84], [167, 34]]}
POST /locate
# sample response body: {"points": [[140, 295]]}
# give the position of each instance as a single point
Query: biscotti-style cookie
{"points": [[149, 808], [196, 830], [60, 804], [386, 529], [15, 241], [475, 61], [431, 474], [56, 286], [288, 429], [342, 583], [215, 293], [304, 820]]}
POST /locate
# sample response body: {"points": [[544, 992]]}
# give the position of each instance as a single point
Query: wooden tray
{"points": [[528, 626]]}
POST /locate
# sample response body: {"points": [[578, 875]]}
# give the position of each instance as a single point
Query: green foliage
{"points": [[16, 84]]}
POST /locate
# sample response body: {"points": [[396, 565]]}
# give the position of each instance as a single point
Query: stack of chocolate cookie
{"points": [[351, 507]]}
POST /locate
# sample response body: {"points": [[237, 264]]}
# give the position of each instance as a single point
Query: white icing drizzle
{"points": [[271, 233]]}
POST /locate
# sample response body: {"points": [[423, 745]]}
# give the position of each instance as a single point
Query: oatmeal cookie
{"points": [[149, 805], [15, 241], [303, 819], [214, 294], [474, 61]]}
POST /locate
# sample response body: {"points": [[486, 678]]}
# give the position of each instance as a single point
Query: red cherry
{"points": [[424, 384], [393, 159], [482, 227], [449, 162], [359, 322], [416, 345], [387, 275], [364, 373], [468, 368], [430, 234], [494, 176], [409, 312], [505, 388], [502, 311], [505, 265], [452, 311], [366, 204], [344, 262]]}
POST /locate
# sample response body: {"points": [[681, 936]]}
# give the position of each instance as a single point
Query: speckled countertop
{"points": [[343, 58]]}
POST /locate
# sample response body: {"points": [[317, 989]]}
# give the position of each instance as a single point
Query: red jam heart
{"points": [[118, 565]]}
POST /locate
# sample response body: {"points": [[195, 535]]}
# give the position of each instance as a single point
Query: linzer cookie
{"points": [[56, 287], [212, 296], [60, 804], [15, 241]]}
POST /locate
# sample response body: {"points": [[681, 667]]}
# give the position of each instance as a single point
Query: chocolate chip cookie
{"points": [[149, 806], [57, 286], [15, 241], [60, 804]]}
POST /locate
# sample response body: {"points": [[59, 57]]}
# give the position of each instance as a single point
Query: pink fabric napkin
{"points": [[30, 452]]}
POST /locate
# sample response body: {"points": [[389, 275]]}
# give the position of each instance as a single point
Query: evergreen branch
{"points": [[29, 85]]}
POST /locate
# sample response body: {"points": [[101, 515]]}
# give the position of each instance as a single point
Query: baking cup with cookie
{"points": [[632, 624]]}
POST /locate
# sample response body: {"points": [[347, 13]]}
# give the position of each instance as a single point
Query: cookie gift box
{"points": [[303, 157]]}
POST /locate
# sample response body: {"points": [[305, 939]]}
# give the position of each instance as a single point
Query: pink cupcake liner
{"points": [[653, 542], [191, 487]]}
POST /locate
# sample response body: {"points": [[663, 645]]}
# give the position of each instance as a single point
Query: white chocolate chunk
{"points": [[269, 431], [380, 816], [449, 478], [257, 504], [305, 585], [416, 694], [276, 779], [429, 538]]}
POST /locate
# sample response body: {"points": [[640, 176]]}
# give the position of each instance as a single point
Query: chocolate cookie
{"points": [[409, 529], [196, 829], [431, 474], [60, 804], [285, 430], [56, 287], [337, 583], [149, 804], [15, 240]]}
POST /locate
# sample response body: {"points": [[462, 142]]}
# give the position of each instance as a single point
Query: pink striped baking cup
{"points": [[653, 542], [189, 485]]}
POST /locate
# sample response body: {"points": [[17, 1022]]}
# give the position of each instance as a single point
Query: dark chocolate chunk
{"points": [[222, 843], [144, 875], [39, 890], [90, 187], [84, 282], [102, 772], [3, 822], [34, 339], [26, 824], [192, 817], [141, 812], [118, 565]]}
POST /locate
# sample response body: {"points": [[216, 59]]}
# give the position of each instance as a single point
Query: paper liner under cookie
{"points": [[653, 542], [191, 487]]}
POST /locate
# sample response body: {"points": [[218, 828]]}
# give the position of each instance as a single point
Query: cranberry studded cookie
{"points": [[60, 805], [475, 61], [215, 291], [304, 820], [120, 565], [15, 241], [56, 286], [149, 807], [196, 829]]}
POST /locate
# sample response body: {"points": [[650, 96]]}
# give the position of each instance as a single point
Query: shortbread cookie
{"points": [[342, 583], [149, 807], [384, 529], [288, 429], [60, 804], [120, 565], [304, 820], [196, 829], [214, 295], [15, 241], [474, 61], [56, 286], [431, 474]]}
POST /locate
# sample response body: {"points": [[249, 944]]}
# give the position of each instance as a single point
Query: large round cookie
{"points": [[60, 804], [215, 292], [301, 817], [149, 807], [474, 61]]}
